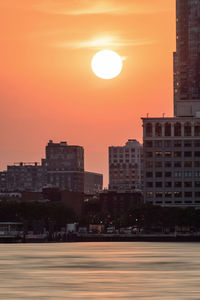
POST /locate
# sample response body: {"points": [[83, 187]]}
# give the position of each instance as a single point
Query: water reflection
{"points": [[167, 271]]}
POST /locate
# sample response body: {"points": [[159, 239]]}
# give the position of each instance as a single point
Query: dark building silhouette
{"points": [[93, 183], [187, 58]]}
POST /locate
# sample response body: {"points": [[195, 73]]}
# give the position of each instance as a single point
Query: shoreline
{"points": [[74, 238]]}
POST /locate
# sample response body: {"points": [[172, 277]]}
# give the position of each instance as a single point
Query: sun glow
{"points": [[106, 64]]}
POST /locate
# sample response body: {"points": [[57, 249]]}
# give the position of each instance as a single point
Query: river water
{"points": [[141, 271]]}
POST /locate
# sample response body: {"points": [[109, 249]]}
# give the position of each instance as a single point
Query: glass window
{"points": [[167, 144], [158, 144], [187, 154], [177, 154], [197, 164], [187, 129], [149, 130], [149, 164], [187, 184], [168, 174], [168, 164], [197, 143], [168, 130], [197, 129], [177, 143], [197, 194], [197, 153], [188, 194], [158, 184], [158, 164], [177, 194], [168, 194], [158, 129], [149, 174], [188, 144], [188, 164], [177, 174], [158, 154], [149, 154], [168, 154], [177, 164], [149, 144], [177, 129], [197, 183], [159, 194], [149, 194], [168, 184], [149, 184], [158, 174], [178, 184], [187, 174]]}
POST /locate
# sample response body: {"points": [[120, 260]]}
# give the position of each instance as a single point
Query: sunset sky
{"points": [[48, 90]]}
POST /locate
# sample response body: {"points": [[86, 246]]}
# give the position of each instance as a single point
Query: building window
{"points": [[158, 184], [197, 153], [149, 164], [158, 164], [188, 164], [178, 184], [168, 130], [150, 184], [168, 164], [167, 144], [187, 154], [149, 144], [168, 184], [197, 143], [187, 174], [177, 174], [149, 130], [149, 174], [197, 164], [158, 174], [197, 194], [177, 143], [177, 129], [168, 174], [187, 184], [158, 154], [187, 129], [197, 174], [168, 154], [177, 194], [197, 183], [159, 194], [177, 164], [188, 194], [197, 129], [149, 194], [187, 144], [168, 194], [158, 144], [177, 154], [149, 154], [158, 129]]}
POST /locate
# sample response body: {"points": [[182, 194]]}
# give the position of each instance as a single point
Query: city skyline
{"points": [[47, 54]]}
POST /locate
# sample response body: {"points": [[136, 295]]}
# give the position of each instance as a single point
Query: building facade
{"points": [[93, 183], [172, 161], [187, 58], [25, 177], [64, 166], [125, 166]]}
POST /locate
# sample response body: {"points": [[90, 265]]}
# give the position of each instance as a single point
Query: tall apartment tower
{"points": [[125, 166], [65, 166], [172, 145], [187, 59]]}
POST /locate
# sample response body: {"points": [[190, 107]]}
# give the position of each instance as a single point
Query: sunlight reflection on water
{"points": [[164, 271]]}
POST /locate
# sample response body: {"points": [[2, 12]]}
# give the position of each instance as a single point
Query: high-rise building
{"points": [[93, 183], [125, 166], [187, 59], [172, 145], [65, 166]]}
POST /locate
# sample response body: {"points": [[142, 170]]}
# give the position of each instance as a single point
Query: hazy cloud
{"points": [[87, 7], [104, 42]]}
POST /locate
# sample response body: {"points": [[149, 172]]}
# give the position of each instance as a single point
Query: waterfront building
{"points": [[187, 58], [125, 166], [172, 145], [64, 166], [172, 161], [25, 177], [93, 183]]}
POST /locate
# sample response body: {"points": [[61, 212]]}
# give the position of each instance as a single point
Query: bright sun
{"points": [[106, 64]]}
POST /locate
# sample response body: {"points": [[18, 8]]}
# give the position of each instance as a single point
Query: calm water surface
{"points": [[164, 271]]}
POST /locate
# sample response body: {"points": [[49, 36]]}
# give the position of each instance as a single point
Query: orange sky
{"points": [[48, 90]]}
